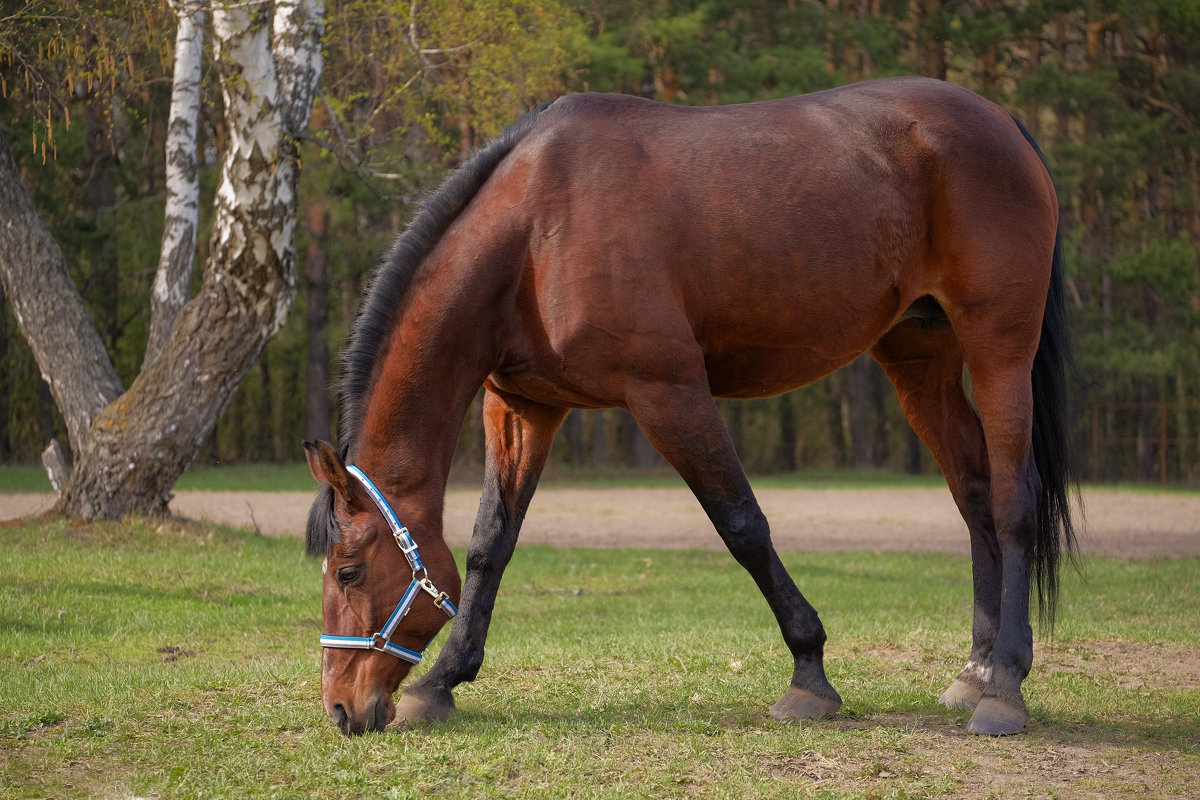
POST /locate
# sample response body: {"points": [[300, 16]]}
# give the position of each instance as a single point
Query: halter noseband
{"points": [[420, 582]]}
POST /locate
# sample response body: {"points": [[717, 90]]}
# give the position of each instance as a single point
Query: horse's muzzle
{"points": [[375, 715]]}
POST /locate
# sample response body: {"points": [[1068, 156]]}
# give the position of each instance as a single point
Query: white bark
{"points": [[173, 278], [299, 28], [268, 97], [55, 466], [248, 190]]}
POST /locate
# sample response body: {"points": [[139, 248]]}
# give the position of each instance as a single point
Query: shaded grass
{"points": [[296, 478], [182, 661], [232, 478], [20, 478]]}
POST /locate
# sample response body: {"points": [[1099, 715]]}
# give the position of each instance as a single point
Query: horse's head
{"points": [[383, 599]]}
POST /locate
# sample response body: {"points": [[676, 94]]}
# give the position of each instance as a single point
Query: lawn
{"points": [[170, 661], [295, 477]]}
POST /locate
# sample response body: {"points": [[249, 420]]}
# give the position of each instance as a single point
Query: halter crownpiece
{"points": [[381, 641]]}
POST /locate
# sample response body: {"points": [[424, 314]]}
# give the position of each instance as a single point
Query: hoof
{"points": [[995, 718], [961, 695], [803, 704], [414, 708]]}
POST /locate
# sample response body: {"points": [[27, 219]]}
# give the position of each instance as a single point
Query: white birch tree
{"points": [[181, 220], [131, 446]]}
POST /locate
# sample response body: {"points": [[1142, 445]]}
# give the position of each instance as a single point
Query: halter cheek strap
{"points": [[420, 583]]}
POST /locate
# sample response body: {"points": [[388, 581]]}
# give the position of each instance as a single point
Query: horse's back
{"points": [[783, 238]]}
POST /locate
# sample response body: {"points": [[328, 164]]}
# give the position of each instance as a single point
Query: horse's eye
{"points": [[348, 575]]}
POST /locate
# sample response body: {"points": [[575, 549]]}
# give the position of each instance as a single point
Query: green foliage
{"points": [[1145, 349], [1165, 266], [704, 53], [56, 52], [610, 64], [512, 57], [437, 83], [1111, 89]]}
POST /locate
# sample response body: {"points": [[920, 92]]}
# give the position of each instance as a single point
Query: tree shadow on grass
{"points": [[1158, 734]]}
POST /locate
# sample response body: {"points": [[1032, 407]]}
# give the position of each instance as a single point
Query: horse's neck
{"points": [[438, 355]]}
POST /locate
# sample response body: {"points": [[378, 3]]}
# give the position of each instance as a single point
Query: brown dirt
{"points": [[1122, 524]]}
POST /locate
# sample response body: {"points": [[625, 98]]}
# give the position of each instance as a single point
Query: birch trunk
{"points": [[172, 280], [140, 443]]}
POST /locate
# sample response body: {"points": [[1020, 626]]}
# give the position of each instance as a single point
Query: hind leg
{"points": [[1005, 401], [926, 367], [999, 339], [683, 424], [518, 435]]}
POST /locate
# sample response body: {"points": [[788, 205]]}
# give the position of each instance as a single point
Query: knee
{"points": [[746, 533], [977, 493], [491, 542]]}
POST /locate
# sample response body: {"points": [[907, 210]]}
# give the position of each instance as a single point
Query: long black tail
{"points": [[1051, 435]]}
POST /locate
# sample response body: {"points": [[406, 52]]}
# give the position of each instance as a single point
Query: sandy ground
{"points": [[1123, 524]]}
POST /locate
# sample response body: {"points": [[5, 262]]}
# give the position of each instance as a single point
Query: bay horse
{"points": [[610, 251]]}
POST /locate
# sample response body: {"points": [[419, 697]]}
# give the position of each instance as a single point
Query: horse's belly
{"points": [[749, 371], [746, 350]]}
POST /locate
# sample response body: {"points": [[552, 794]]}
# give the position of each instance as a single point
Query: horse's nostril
{"points": [[340, 717], [379, 714]]}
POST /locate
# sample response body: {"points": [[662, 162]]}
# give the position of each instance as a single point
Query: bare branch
{"points": [[1174, 110], [441, 51], [346, 150]]}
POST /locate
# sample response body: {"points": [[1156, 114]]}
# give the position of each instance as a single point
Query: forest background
{"points": [[1110, 88]]}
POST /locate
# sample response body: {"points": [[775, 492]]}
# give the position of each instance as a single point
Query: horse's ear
{"points": [[327, 467]]}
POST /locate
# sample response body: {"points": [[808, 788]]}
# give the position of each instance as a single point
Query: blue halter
{"points": [[420, 583]]}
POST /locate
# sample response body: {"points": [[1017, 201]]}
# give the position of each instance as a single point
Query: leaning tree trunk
{"points": [[138, 445], [44, 301]]}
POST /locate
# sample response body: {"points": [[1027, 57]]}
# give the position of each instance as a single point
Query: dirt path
{"points": [[1124, 524]]}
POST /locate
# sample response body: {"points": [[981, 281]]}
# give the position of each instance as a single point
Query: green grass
{"points": [[296, 478], [183, 662], [23, 479], [232, 478]]}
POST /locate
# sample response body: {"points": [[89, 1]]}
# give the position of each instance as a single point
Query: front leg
{"points": [[682, 421], [429, 699], [518, 435]]}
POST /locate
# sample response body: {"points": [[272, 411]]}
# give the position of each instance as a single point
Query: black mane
{"points": [[376, 313], [377, 310], [321, 531]]}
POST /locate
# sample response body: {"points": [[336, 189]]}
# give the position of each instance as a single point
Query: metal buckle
{"points": [[402, 537], [408, 546]]}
